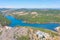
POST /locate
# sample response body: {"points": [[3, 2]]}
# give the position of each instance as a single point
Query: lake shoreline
{"points": [[15, 22]]}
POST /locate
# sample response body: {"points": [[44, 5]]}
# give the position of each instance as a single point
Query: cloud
{"points": [[9, 7], [6, 7]]}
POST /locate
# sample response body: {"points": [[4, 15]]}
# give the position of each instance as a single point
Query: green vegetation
{"points": [[40, 11], [0, 32], [53, 33], [3, 20], [44, 16], [23, 38], [47, 31], [39, 18]]}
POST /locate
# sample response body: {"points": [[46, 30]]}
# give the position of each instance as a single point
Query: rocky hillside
{"points": [[26, 33]]}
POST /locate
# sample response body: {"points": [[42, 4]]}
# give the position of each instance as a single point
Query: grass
{"points": [[42, 15], [39, 19], [23, 38], [53, 33], [0, 32], [4, 20]]}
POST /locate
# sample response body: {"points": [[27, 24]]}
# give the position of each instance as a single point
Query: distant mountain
{"points": [[38, 10]]}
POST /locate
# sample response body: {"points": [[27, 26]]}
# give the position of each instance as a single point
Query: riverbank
{"points": [[16, 22]]}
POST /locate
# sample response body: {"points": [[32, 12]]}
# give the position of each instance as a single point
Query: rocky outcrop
{"points": [[58, 29], [8, 34], [39, 35], [17, 32]]}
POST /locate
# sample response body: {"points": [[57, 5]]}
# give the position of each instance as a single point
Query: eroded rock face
{"points": [[58, 29], [39, 35], [17, 32], [8, 34]]}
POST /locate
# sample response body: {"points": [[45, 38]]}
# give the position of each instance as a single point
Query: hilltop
{"points": [[26, 33]]}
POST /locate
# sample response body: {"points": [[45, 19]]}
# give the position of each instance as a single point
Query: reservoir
{"points": [[15, 22]]}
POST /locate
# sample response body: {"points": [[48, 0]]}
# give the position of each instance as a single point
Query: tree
{"points": [[4, 20]]}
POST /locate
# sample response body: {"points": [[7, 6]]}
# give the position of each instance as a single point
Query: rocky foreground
{"points": [[25, 33]]}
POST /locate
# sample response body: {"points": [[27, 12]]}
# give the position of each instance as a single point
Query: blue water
{"points": [[15, 22]]}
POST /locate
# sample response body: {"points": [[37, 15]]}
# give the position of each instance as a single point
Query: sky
{"points": [[29, 3]]}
